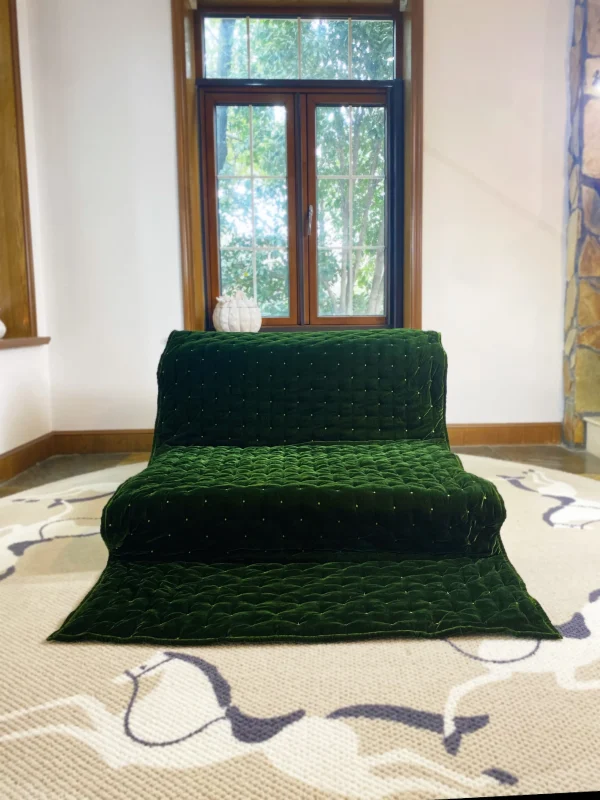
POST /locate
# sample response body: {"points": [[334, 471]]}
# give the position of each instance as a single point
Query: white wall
{"points": [[102, 82], [103, 134], [24, 396], [494, 195], [25, 403]]}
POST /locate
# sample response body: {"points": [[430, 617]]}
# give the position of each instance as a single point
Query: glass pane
{"points": [[270, 212], [372, 50], [368, 288], [269, 140], [333, 140], [351, 282], [326, 53], [225, 48], [236, 272], [351, 210], [333, 212], [232, 124], [324, 49], [274, 49], [368, 212], [332, 281], [272, 271], [368, 140], [253, 210], [235, 212]]}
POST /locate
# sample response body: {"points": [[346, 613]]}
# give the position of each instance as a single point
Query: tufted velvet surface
{"points": [[301, 487], [286, 388], [304, 502], [210, 603]]}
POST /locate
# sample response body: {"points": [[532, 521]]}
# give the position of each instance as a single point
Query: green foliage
{"points": [[274, 49], [372, 50], [325, 49], [350, 211], [269, 140], [253, 211], [236, 272], [272, 272], [325, 53], [226, 48]]}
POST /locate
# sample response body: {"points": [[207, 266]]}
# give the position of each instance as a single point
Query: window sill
{"points": [[26, 341]]}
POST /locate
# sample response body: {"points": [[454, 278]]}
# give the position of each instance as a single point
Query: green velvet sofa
{"points": [[301, 488]]}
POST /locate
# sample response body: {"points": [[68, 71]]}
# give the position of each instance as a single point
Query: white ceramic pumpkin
{"points": [[2, 329], [237, 314]]}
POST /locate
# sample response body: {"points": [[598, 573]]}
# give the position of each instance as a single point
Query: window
{"points": [[298, 119]]}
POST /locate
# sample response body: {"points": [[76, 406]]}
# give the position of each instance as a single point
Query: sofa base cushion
{"points": [[320, 502], [184, 603]]}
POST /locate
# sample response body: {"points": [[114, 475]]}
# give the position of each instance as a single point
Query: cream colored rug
{"points": [[467, 717]]}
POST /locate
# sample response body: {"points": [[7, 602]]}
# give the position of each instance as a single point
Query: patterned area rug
{"points": [[378, 719]]}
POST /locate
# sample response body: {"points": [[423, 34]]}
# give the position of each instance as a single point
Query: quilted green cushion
{"points": [[314, 502], [301, 487], [219, 603], [285, 388]]}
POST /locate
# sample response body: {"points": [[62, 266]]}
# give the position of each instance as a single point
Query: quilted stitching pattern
{"points": [[285, 388], [204, 604], [301, 487], [304, 502]]}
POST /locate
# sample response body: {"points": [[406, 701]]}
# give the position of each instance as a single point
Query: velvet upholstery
{"points": [[304, 502], [287, 388], [301, 487]]}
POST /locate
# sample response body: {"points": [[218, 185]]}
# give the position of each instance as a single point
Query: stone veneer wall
{"points": [[582, 306]]}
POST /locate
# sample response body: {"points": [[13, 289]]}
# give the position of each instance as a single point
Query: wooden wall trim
{"points": [[26, 341], [140, 441], [21, 458], [17, 290], [414, 41], [188, 173], [506, 433], [33, 330], [115, 441]]}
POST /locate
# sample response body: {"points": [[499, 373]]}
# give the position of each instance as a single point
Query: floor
{"points": [[59, 467], [551, 456]]}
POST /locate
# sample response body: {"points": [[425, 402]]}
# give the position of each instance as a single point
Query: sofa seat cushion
{"points": [[200, 604], [306, 502]]}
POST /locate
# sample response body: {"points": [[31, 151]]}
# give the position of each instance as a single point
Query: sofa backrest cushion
{"points": [[248, 389]]}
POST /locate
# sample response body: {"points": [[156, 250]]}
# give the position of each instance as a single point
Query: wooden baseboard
{"points": [[62, 443], [506, 433], [21, 458], [134, 441], [140, 441]]}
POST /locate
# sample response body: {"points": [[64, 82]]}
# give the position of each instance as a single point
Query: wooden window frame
{"points": [[233, 97], [301, 185], [409, 16], [17, 287]]}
